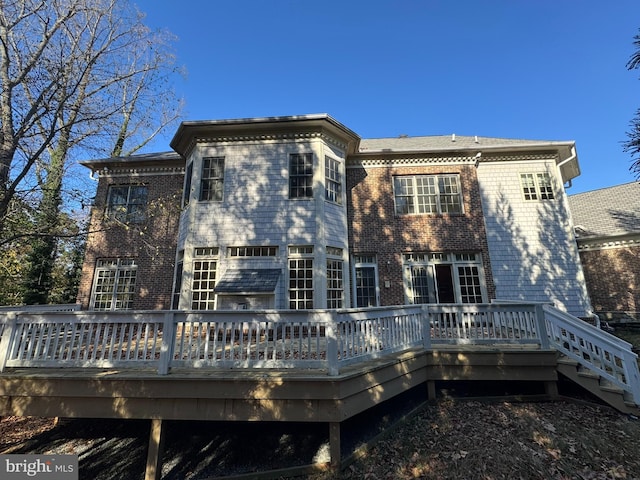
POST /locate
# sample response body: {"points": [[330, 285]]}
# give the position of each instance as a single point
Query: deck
{"points": [[320, 366]]}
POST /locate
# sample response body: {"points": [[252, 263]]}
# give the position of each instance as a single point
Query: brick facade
{"points": [[613, 279], [374, 227], [151, 243]]}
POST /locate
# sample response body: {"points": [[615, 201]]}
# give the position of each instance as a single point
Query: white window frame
{"points": [[213, 183], [429, 261], [333, 180], [361, 262], [536, 186], [300, 294], [133, 210], [203, 278], [335, 278], [428, 194], [301, 182], [119, 275]]}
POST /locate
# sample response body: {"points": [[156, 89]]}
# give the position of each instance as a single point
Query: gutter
{"points": [[567, 160]]}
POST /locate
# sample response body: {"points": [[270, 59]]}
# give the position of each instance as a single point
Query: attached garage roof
{"points": [[244, 281]]}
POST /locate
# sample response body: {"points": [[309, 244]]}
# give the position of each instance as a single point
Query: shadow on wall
{"points": [[534, 253]]}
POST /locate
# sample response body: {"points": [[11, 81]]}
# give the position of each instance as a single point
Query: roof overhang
{"points": [[146, 160], [247, 281], [190, 131]]}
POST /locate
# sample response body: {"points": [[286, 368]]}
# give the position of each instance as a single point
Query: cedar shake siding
{"points": [[331, 220]]}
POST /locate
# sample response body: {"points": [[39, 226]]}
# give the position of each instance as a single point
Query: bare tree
{"points": [[76, 75], [632, 144]]}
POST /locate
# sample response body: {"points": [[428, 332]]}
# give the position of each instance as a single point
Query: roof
{"points": [[448, 142], [607, 212], [139, 159], [257, 280]]}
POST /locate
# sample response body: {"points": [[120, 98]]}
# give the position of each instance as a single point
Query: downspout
{"points": [[91, 176], [567, 160]]}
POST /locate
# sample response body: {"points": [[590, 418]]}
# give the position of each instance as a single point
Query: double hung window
{"points": [[332, 180], [427, 194], [335, 278], [127, 203], [301, 175], [212, 179], [205, 266]]}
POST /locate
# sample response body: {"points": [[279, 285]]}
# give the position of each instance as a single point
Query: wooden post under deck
{"points": [[154, 454], [334, 444]]}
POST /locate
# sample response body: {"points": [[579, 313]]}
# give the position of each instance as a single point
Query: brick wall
{"points": [[613, 279], [151, 243], [374, 227]]}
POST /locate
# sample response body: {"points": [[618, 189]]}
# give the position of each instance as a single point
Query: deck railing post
{"points": [[168, 338], [541, 327], [332, 342], [425, 324], [6, 339]]}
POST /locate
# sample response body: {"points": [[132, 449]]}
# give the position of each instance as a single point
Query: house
{"points": [[299, 212], [607, 226]]}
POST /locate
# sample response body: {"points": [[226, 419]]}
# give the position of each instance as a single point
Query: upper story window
{"points": [[332, 180], [187, 185], [301, 175], [127, 203], [536, 186], [212, 179], [416, 194]]}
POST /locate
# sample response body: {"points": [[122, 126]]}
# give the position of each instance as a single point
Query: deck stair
{"points": [[598, 386]]}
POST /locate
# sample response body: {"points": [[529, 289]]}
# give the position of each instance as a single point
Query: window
{"points": [[212, 179], [127, 203], [252, 251], [536, 186], [366, 281], [187, 185], [204, 278], [424, 194], [301, 277], [177, 282], [332, 180], [301, 175], [443, 278], [114, 284], [335, 280]]}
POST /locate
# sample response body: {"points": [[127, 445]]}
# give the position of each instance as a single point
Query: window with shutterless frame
{"points": [[335, 278], [300, 260], [212, 179], [114, 284], [204, 271], [301, 175], [427, 194], [333, 180], [536, 186], [127, 203]]}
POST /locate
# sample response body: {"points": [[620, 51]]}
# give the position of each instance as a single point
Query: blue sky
{"points": [[534, 69]]}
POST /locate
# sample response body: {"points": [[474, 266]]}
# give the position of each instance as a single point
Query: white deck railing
{"points": [[599, 351], [316, 339]]}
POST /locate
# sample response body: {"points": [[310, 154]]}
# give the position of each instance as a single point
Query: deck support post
{"points": [[551, 388], [334, 444], [431, 390], [154, 453]]}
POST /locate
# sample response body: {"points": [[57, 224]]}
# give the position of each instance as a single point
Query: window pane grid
{"points": [[301, 283], [114, 285], [333, 180], [127, 203], [300, 175], [470, 288], [335, 290], [420, 194], [544, 185], [212, 179], [204, 281]]}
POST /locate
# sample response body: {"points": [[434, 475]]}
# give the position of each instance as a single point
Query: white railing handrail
{"points": [[312, 339], [597, 350]]}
